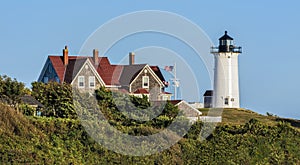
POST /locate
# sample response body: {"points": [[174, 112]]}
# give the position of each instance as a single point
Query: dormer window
{"points": [[145, 82]]}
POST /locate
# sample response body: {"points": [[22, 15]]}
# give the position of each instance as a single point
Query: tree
{"points": [[57, 99], [11, 90], [142, 103]]}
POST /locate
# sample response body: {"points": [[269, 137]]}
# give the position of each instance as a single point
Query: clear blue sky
{"points": [[268, 31]]}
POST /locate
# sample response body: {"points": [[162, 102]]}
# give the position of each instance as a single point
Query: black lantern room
{"points": [[226, 45]]}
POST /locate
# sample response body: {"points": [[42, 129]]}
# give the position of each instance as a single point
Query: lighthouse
{"points": [[226, 75]]}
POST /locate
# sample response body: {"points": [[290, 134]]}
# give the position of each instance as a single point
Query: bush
{"points": [[11, 91], [27, 110], [31, 140], [57, 99]]}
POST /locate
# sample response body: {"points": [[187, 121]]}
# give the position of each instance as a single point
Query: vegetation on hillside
{"points": [[11, 91], [64, 141], [242, 116], [57, 99], [58, 137]]}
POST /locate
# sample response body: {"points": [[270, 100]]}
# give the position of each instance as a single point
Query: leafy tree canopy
{"points": [[57, 98]]}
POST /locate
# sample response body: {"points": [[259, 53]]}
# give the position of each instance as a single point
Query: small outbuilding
{"points": [[33, 104], [208, 98], [190, 112]]}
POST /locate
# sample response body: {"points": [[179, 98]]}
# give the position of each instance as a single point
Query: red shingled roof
{"points": [[111, 74], [174, 102], [158, 73], [141, 91], [58, 66]]}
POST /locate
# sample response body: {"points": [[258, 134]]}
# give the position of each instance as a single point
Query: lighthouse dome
{"points": [[226, 37], [226, 43]]}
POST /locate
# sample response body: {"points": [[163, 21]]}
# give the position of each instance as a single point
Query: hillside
{"points": [[42, 140], [242, 116]]}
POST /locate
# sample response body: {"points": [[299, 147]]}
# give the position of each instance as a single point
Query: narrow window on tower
{"points": [[145, 82], [226, 101]]}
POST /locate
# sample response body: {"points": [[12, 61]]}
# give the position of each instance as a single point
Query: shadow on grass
{"points": [[293, 122]]}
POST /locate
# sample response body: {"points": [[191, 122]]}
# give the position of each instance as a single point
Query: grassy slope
{"points": [[242, 116], [63, 141], [35, 140]]}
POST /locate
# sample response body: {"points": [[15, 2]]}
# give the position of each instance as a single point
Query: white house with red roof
{"points": [[89, 73]]}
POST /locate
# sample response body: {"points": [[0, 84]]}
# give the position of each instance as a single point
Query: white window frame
{"points": [[165, 97], [143, 82], [79, 81], [92, 80]]}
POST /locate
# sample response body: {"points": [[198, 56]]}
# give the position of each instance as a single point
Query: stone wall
{"points": [[154, 86], [86, 72]]}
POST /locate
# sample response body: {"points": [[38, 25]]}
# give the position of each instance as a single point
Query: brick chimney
{"points": [[131, 58], [65, 56], [95, 56]]}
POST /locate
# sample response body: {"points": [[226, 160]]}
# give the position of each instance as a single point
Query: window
{"points": [[145, 82], [232, 99], [92, 81], [226, 101], [56, 79], [81, 82], [164, 97], [223, 42], [228, 42], [38, 113], [46, 80], [50, 69]]}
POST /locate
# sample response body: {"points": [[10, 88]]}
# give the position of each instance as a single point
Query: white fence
{"points": [[214, 119]]}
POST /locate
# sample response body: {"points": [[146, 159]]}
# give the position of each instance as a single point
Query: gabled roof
{"points": [[66, 74], [129, 72], [208, 93], [110, 74], [58, 66], [175, 102], [27, 99], [189, 111], [72, 69], [147, 67], [157, 71]]}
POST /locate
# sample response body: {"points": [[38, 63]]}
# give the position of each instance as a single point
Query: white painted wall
{"points": [[226, 80]]}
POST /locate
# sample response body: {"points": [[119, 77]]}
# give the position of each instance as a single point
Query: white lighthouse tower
{"points": [[226, 77]]}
